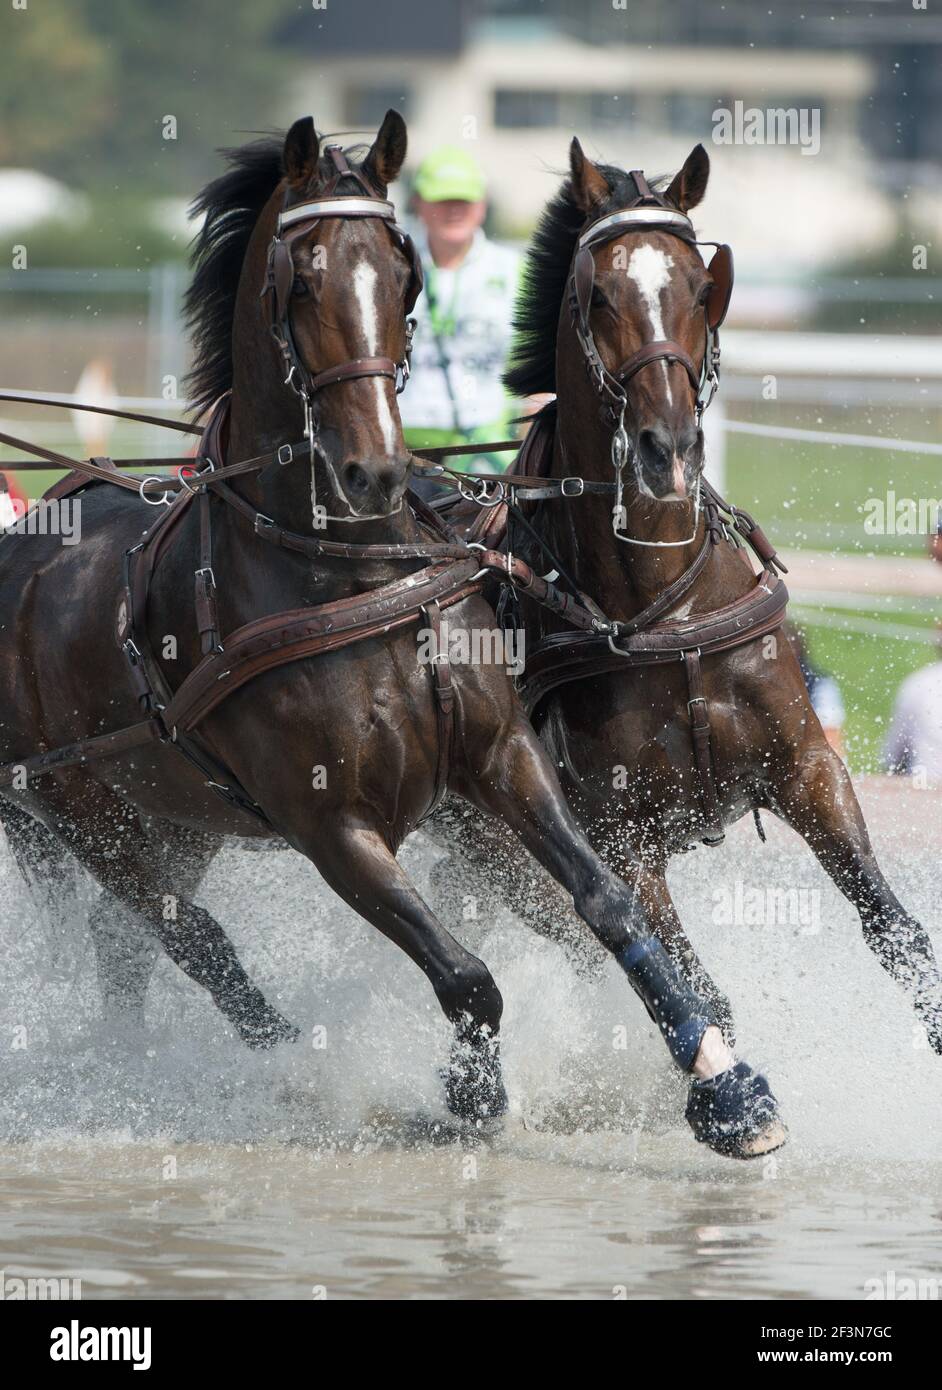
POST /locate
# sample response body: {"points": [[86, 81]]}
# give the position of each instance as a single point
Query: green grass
{"points": [[811, 496], [869, 670]]}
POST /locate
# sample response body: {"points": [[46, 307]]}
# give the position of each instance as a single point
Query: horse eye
{"points": [[299, 288], [598, 297], [704, 294]]}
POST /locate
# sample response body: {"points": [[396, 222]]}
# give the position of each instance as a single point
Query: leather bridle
{"points": [[295, 222], [648, 212]]}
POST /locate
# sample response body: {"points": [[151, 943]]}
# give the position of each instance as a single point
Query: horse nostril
{"points": [[356, 479], [655, 448], [687, 440]]}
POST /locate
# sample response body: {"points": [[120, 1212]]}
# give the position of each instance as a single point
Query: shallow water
{"points": [[175, 1164]]}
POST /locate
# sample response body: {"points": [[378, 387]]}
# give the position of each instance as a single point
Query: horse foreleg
{"points": [[819, 802], [730, 1107], [485, 852], [359, 866], [651, 887]]}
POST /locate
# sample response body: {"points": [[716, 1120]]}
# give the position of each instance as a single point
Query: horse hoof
{"points": [[267, 1030], [736, 1114], [474, 1089]]}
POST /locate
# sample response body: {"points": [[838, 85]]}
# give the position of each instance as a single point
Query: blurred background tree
{"points": [[85, 86]]}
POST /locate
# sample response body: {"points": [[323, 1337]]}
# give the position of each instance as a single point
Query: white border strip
{"points": [[856, 441]]}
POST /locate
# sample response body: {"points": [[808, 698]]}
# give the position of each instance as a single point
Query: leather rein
{"points": [[456, 569]]}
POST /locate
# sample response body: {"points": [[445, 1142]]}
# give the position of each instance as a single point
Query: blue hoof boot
{"points": [[736, 1114]]}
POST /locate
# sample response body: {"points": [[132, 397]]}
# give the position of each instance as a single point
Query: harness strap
{"points": [[29, 398], [562, 657], [350, 371], [83, 751], [702, 750], [282, 638], [207, 615], [104, 471], [671, 595], [444, 700], [311, 546], [154, 691], [85, 466], [664, 350]]}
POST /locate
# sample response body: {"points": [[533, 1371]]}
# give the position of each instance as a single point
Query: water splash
{"points": [[585, 1072]]}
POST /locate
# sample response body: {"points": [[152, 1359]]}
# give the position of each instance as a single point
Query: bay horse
{"points": [[300, 310], [618, 318]]}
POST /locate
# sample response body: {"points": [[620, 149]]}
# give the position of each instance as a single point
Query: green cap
{"points": [[449, 173]]}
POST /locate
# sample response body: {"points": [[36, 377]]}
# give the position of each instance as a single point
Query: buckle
{"points": [[261, 520], [285, 457], [207, 569], [576, 491]]}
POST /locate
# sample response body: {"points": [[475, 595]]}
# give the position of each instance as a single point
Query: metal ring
{"points": [[183, 478], [481, 496], [163, 501]]}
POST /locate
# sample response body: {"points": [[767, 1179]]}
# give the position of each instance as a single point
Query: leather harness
{"points": [[455, 568]]}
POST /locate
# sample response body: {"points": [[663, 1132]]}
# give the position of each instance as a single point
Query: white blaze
{"points": [[650, 270], [364, 289]]}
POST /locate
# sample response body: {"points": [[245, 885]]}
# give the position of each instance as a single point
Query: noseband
{"points": [[648, 212], [295, 222]]}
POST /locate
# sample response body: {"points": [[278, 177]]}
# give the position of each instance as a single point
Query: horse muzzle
{"points": [[375, 488], [669, 462]]}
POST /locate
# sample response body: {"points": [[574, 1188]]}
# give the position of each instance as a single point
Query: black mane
{"points": [[231, 206], [532, 362]]}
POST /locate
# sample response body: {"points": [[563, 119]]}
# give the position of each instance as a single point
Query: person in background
{"points": [[823, 689], [914, 742], [935, 543], [463, 318]]}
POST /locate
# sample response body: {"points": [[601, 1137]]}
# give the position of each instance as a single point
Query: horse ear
{"points": [[589, 185], [689, 186], [388, 152], [302, 148]]}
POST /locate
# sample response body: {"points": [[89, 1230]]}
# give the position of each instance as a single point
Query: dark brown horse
{"points": [[341, 754], [620, 733]]}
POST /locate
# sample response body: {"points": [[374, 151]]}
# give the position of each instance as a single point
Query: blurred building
{"points": [[640, 83]]}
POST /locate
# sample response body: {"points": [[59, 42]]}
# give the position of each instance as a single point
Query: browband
{"points": [[607, 227], [337, 207]]}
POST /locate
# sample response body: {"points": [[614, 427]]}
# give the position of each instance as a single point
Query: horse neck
{"points": [[622, 578]]}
